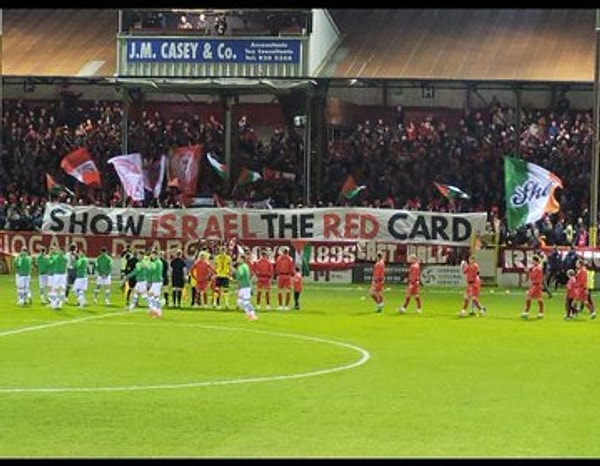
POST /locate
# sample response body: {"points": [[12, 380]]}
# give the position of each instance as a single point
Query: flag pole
{"points": [[594, 178]]}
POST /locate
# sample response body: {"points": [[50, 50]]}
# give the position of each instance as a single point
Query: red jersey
{"points": [[536, 274], [471, 272], [284, 265], [202, 270], [263, 267], [581, 278], [414, 273], [379, 271], [572, 288]]}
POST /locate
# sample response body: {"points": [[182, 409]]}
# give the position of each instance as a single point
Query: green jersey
{"points": [[81, 267], [140, 272], [22, 264], [103, 265], [155, 271], [42, 262], [242, 275], [58, 261]]}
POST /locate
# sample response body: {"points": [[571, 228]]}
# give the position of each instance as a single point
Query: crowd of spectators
{"points": [[398, 160]]}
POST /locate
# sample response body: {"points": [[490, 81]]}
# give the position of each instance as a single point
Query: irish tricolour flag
{"points": [[529, 191]]}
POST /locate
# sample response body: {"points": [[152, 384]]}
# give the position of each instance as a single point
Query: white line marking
{"points": [[364, 357]]}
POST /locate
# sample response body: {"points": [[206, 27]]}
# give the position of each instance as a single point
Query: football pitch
{"points": [[334, 379]]}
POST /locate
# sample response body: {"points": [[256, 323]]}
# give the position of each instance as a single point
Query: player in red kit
{"points": [[377, 282], [581, 287], [535, 276], [413, 285], [470, 270], [202, 271], [284, 269], [263, 269]]}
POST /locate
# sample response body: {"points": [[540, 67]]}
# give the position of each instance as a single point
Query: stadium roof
{"points": [[550, 45]]}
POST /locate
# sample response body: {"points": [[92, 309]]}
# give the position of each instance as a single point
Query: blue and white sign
{"points": [[188, 50]]}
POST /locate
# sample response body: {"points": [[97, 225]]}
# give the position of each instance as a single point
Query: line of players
{"points": [[146, 276], [210, 274], [578, 288], [59, 272]]}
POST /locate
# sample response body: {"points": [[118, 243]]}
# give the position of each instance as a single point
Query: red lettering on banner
{"points": [[166, 222], [229, 225], [331, 223], [369, 226], [246, 233], [213, 229], [351, 225], [355, 226], [189, 227]]}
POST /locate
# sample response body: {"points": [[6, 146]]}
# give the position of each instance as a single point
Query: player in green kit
{"points": [[104, 265], [22, 265], [58, 266], [42, 263], [244, 279], [140, 272], [80, 285], [155, 281]]}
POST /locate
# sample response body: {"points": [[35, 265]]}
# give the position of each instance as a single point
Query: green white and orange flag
{"points": [[529, 191]]}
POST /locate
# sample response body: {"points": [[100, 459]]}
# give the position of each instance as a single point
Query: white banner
{"points": [[312, 224]]}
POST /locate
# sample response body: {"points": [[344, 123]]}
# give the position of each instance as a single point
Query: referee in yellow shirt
{"points": [[223, 272]]}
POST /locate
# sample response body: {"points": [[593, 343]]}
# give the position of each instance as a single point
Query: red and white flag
{"points": [[183, 166], [80, 165], [129, 169], [154, 175]]}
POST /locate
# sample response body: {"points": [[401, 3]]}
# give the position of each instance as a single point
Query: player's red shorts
{"points": [[412, 289], [535, 291], [284, 281], [582, 294], [377, 286], [473, 290], [202, 285], [263, 283]]}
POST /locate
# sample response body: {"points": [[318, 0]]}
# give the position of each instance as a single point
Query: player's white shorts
{"points": [[103, 281], [80, 284], [244, 294], [141, 287], [44, 281], [155, 288], [59, 280], [23, 281]]}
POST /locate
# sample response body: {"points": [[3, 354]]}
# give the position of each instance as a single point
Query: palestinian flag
{"points": [[451, 192], [350, 189], [219, 168], [248, 176], [529, 191], [54, 189]]}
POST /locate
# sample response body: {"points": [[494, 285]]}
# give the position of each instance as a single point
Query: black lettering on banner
{"points": [[99, 221], [420, 229], [55, 216], [306, 225], [82, 223], [461, 225], [392, 226], [269, 218], [292, 225]]}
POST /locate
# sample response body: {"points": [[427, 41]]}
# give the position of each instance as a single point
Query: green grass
{"points": [[334, 379]]}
